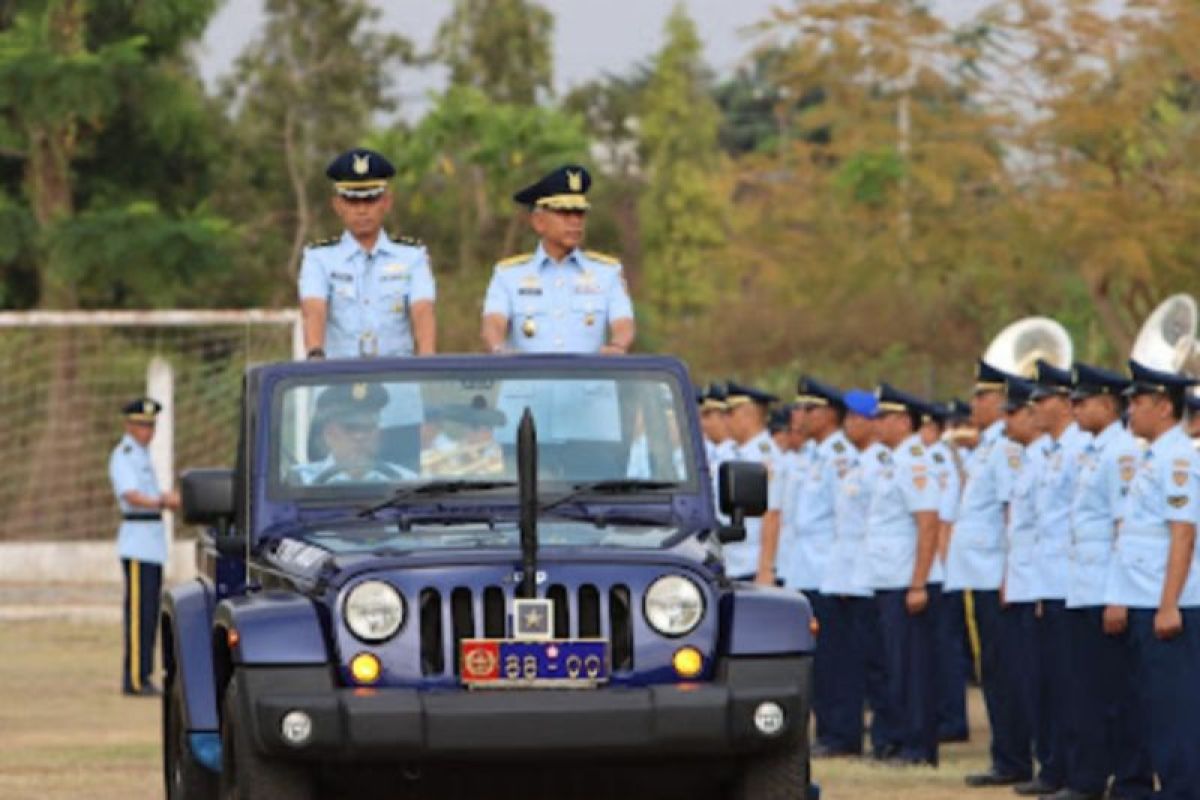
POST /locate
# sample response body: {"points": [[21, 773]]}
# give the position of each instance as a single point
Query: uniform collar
{"points": [[350, 247], [1169, 440], [541, 258], [912, 440], [993, 432], [835, 438], [1101, 439], [128, 439]]}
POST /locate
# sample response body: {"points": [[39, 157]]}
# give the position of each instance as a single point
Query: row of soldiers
{"points": [[1052, 522]]}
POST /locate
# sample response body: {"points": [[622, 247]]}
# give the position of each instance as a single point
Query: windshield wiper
{"points": [[615, 486], [432, 489]]}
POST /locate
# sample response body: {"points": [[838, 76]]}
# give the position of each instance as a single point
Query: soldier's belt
{"points": [[142, 516]]}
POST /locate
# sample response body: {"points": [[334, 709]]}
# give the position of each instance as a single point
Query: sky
{"points": [[592, 37]]}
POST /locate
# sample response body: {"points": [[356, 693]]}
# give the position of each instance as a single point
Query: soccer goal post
{"points": [[64, 377]]}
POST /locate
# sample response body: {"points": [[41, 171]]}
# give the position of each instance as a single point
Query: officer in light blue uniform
{"points": [[748, 406], [901, 546], [813, 529], [1103, 725], [141, 540], [558, 299], [796, 469], [1017, 626], [975, 564], [714, 422], [851, 637], [347, 419], [1064, 444], [365, 294], [1153, 587]]}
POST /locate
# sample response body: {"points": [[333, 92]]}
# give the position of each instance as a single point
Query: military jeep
{"points": [[478, 577]]}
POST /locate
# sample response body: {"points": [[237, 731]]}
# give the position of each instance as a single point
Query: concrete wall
{"points": [[82, 562]]}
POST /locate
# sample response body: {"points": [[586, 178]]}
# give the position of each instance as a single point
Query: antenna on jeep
{"points": [[527, 477]]}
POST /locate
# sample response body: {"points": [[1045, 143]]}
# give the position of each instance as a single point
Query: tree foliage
{"points": [[503, 48]]}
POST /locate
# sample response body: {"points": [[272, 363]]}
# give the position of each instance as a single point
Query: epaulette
{"points": [[411, 241], [603, 258], [326, 242], [127, 449], [512, 261]]}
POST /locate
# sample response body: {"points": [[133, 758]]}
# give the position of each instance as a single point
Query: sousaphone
{"points": [[1167, 340], [1017, 348]]}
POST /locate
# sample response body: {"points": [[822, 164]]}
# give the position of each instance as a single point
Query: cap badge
{"points": [[574, 180], [147, 407], [362, 164], [358, 391]]}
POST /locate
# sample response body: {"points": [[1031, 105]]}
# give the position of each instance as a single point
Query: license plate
{"points": [[522, 664]]}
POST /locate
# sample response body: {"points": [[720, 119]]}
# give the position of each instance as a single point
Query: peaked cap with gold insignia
{"points": [[360, 173], [142, 409], [564, 189]]}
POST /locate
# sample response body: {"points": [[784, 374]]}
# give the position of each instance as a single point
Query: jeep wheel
{"points": [[781, 774], [248, 775], [185, 777]]}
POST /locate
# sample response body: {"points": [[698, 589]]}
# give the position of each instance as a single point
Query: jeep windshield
{"points": [[362, 437]]}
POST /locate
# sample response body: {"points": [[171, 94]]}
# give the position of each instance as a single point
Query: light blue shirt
{"points": [[813, 509], [1106, 468], [130, 470], [949, 482], [904, 486], [370, 295], [1020, 566], [976, 554], [1055, 492], [847, 572], [741, 558], [558, 307], [718, 454], [789, 491], [1164, 490]]}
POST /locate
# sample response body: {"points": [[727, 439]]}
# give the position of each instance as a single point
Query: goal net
{"points": [[64, 377]]}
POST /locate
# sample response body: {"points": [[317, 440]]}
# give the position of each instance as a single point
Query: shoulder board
{"points": [[328, 241], [838, 447], [603, 258], [512, 261], [411, 241]]}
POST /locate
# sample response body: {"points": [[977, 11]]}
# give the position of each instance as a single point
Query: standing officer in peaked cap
{"points": [[900, 550], [364, 293], [558, 299], [755, 556], [1153, 589], [141, 540], [1104, 732]]}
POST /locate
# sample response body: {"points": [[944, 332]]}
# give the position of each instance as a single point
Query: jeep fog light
{"points": [[687, 662], [296, 728], [374, 611], [365, 668], [674, 605], [768, 718]]}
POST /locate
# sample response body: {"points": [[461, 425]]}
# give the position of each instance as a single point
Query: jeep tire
{"points": [[781, 774], [248, 775], [185, 777]]}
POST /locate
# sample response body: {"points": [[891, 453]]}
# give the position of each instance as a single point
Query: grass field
{"points": [[66, 733]]}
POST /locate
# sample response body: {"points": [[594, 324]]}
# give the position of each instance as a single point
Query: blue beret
{"points": [[142, 409], [360, 173], [861, 402], [564, 189]]}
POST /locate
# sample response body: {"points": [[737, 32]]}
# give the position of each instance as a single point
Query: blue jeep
{"points": [[478, 577]]}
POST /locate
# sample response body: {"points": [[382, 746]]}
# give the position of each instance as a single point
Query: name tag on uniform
{"points": [[340, 276], [530, 290]]}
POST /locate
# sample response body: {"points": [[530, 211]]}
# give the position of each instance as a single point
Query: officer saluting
{"points": [[363, 293], [1152, 589], [141, 540], [558, 299]]}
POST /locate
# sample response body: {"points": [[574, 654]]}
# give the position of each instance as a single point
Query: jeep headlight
{"points": [[374, 611], [674, 605]]}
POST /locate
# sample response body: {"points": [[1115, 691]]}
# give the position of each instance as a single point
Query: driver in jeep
{"points": [[347, 419]]}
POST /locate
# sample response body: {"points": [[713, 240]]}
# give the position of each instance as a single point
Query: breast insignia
{"points": [[411, 241], [603, 258], [513, 261], [916, 450]]}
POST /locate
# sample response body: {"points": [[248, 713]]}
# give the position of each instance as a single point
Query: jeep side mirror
{"points": [[741, 493], [206, 496]]}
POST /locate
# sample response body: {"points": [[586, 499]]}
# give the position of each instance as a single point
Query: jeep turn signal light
{"points": [[687, 662], [365, 668]]}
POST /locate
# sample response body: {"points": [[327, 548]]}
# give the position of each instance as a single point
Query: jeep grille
{"points": [[581, 612]]}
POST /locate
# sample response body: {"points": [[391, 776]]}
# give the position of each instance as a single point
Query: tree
{"points": [[682, 216], [304, 91], [500, 47]]}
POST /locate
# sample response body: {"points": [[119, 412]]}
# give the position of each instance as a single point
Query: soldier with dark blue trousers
{"points": [[1153, 589], [1102, 720]]}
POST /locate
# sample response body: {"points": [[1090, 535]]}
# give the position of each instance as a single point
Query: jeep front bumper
{"points": [[389, 725]]}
